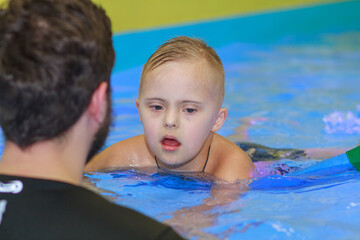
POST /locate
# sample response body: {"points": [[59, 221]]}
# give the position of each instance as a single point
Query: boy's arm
{"points": [[132, 152], [231, 163]]}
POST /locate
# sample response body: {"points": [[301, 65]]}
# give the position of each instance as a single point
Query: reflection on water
{"points": [[343, 122]]}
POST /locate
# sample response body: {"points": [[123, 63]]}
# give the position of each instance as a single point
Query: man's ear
{"points": [[98, 104], [220, 120], [138, 108]]}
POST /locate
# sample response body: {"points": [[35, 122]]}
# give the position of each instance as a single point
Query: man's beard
{"points": [[102, 133]]}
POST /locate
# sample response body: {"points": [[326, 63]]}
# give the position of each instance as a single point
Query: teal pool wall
{"points": [[133, 49]]}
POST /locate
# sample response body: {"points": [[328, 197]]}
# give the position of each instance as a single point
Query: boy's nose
{"points": [[170, 120], [170, 124]]}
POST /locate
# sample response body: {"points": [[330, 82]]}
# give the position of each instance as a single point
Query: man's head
{"points": [[187, 50], [53, 56]]}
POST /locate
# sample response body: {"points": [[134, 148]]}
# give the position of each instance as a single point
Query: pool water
{"points": [[299, 92], [273, 207], [296, 92]]}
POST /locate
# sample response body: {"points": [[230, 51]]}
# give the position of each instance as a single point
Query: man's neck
{"points": [[46, 160]]}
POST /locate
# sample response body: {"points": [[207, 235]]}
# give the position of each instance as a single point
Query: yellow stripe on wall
{"points": [[132, 15], [135, 15]]}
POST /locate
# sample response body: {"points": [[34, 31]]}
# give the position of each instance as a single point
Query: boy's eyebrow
{"points": [[191, 101], [154, 99], [163, 100]]}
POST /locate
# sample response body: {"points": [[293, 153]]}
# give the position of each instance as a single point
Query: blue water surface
{"points": [[272, 207]]}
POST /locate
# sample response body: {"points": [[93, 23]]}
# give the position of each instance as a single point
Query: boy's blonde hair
{"points": [[182, 49]]}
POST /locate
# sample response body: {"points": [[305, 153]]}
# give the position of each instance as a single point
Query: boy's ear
{"points": [[98, 103], [220, 120], [138, 108]]}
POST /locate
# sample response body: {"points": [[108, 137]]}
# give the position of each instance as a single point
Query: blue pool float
{"points": [[348, 160], [332, 171]]}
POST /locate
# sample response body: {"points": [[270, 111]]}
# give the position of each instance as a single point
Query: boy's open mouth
{"points": [[170, 143]]}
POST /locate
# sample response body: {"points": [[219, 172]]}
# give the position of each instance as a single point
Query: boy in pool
{"points": [[180, 97]]}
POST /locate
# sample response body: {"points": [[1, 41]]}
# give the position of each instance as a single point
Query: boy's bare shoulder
{"points": [[131, 152], [230, 161]]}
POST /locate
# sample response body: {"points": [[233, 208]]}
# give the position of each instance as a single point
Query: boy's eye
{"points": [[190, 110], [157, 107]]}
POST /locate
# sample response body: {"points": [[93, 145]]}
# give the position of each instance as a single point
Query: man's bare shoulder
{"points": [[131, 152], [231, 162]]}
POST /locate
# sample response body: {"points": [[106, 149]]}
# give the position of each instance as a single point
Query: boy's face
{"points": [[178, 107]]}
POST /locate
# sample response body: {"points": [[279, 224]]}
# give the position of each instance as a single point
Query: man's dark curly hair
{"points": [[53, 55]]}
